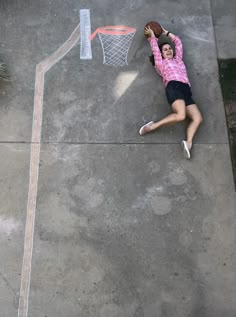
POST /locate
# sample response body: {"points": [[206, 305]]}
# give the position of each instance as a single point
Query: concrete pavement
{"points": [[124, 225]]}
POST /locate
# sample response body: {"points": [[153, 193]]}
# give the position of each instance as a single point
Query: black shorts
{"points": [[177, 90]]}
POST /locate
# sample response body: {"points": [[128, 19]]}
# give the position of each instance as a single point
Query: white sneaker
{"points": [[185, 149], [145, 128]]}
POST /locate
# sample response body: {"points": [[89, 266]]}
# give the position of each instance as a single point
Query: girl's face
{"points": [[167, 51]]}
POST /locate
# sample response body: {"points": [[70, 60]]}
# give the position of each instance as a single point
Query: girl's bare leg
{"points": [[179, 114], [195, 117]]}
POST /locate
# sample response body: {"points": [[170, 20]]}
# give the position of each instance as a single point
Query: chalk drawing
{"points": [[85, 33], [115, 41], [191, 31], [123, 82], [41, 70]]}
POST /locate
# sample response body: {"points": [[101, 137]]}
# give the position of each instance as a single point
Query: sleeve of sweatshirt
{"points": [[178, 48], [157, 54]]}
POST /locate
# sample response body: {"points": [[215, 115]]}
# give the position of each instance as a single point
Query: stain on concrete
{"points": [[89, 192], [185, 238], [177, 176], [161, 205], [8, 225], [111, 310], [154, 167]]}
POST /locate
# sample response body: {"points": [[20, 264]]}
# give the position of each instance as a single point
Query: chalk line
{"points": [[41, 70]]}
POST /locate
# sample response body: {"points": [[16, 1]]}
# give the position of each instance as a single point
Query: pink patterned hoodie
{"points": [[170, 69]]}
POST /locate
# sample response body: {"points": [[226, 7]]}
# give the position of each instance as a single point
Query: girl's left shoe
{"points": [[185, 149], [146, 128]]}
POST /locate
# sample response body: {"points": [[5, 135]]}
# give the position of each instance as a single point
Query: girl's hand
{"points": [[149, 32], [164, 31]]}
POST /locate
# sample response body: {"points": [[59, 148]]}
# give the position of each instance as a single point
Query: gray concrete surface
{"points": [[14, 175], [224, 21], [126, 232], [124, 225]]}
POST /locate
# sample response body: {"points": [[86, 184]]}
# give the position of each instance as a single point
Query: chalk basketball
{"points": [[156, 27]]}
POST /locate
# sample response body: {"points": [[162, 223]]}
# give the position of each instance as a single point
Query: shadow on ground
{"points": [[228, 85]]}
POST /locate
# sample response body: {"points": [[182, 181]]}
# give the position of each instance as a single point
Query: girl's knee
{"points": [[198, 119], [180, 116]]}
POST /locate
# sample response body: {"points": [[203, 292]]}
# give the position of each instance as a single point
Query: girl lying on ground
{"points": [[178, 92]]}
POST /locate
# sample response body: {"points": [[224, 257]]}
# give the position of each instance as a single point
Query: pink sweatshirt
{"points": [[170, 69]]}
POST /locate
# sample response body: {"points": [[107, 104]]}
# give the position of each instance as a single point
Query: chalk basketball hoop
{"points": [[115, 41]]}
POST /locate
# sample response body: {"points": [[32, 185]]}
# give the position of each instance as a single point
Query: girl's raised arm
{"points": [[177, 42]]}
